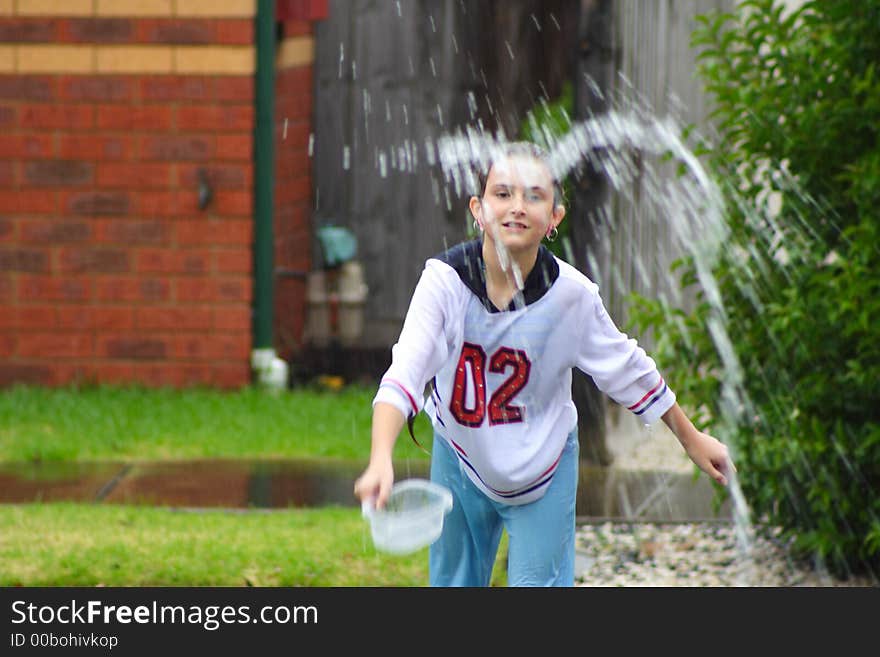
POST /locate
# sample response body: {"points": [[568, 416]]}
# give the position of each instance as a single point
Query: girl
{"points": [[496, 326]]}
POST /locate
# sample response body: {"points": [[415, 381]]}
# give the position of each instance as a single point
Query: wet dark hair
{"points": [[521, 149], [410, 424]]}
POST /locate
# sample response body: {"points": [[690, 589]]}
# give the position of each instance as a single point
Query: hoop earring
{"points": [[552, 234], [477, 227]]}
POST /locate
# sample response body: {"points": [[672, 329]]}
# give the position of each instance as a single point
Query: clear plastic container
{"points": [[412, 518]]}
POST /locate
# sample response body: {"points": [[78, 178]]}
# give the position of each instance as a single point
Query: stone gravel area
{"points": [[686, 553], [691, 554]]}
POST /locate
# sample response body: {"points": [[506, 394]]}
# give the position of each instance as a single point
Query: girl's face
{"points": [[518, 206]]}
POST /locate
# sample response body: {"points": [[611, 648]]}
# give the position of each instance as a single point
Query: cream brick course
{"points": [[134, 8], [135, 59], [55, 59], [216, 8], [7, 59], [223, 60], [157, 8], [296, 51], [218, 60], [54, 7]]}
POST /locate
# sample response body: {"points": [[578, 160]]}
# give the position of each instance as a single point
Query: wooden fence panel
{"points": [[392, 77], [387, 85], [656, 68]]}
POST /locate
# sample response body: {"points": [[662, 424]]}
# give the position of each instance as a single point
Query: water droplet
{"points": [[472, 103]]}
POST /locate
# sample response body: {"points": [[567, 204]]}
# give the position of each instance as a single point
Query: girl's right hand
{"points": [[374, 485]]}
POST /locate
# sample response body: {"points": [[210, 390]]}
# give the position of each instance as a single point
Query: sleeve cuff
{"points": [[392, 392], [654, 404]]}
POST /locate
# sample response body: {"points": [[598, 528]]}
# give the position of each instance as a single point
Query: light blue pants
{"points": [[540, 534]]}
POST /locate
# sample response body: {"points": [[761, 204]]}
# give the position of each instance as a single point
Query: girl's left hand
{"points": [[711, 456]]}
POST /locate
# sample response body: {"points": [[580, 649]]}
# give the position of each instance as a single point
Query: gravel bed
{"points": [[683, 554], [691, 554]]}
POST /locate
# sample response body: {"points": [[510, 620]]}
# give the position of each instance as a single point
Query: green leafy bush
{"points": [[797, 98]]}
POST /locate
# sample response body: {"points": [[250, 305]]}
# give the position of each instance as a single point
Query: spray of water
{"points": [[690, 206], [636, 151]]}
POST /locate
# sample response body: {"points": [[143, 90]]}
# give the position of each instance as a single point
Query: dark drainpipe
{"points": [[263, 353]]}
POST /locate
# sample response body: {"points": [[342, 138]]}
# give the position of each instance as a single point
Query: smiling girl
{"points": [[496, 326]]}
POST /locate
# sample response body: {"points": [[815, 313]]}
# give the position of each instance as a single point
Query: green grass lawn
{"points": [[108, 423], [67, 544], [91, 545]]}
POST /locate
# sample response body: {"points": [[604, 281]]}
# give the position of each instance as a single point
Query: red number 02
{"points": [[501, 410]]}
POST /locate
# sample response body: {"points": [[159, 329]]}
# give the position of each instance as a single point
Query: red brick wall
{"points": [[293, 188], [109, 271]]}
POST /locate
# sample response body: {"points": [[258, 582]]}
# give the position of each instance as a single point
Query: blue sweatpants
{"points": [[540, 534]]}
